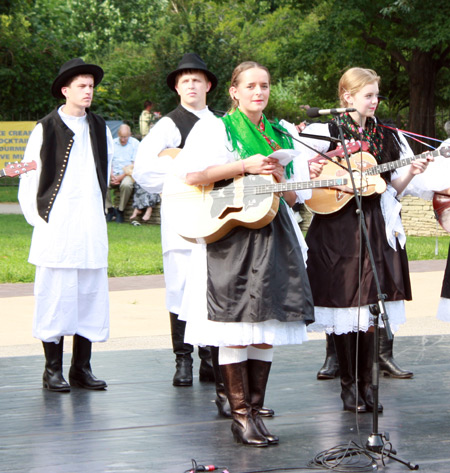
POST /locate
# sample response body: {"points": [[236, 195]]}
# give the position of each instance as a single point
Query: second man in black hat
{"points": [[192, 81]]}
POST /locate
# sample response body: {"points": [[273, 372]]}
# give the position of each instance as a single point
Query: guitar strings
{"points": [[262, 188]]}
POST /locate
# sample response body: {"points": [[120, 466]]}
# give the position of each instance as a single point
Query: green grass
{"points": [[133, 250], [8, 193], [15, 237], [136, 251], [423, 248]]}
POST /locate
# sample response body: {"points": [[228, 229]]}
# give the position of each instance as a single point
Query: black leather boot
{"points": [[244, 429], [53, 378], [183, 351], [365, 369], [258, 374], [223, 406], [346, 352], [330, 368], [80, 374], [388, 365], [206, 371]]}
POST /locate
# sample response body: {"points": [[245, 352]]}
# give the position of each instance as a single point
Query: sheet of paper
{"points": [[284, 156]]}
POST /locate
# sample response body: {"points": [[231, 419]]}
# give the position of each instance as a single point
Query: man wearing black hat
{"points": [[64, 201], [191, 81]]}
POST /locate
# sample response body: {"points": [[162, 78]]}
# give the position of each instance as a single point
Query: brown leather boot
{"points": [[244, 429], [258, 374]]}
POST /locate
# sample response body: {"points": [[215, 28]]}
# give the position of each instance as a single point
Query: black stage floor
{"points": [[143, 424]]}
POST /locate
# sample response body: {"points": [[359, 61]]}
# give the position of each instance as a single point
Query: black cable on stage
{"points": [[342, 458], [346, 458]]}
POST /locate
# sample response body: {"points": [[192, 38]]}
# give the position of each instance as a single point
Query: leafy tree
{"points": [[406, 41], [28, 66], [305, 44]]}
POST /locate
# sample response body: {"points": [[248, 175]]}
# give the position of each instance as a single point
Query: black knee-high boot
{"points": [[235, 378], [80, 374], [330, 368], [53, 378], [223, 406], [182, 351], [346, 352], [258, 375], [365, 369], [388, 366], [206, 370]]}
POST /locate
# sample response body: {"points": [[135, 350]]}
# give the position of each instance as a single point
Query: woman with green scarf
{"points": [[248, 291]]}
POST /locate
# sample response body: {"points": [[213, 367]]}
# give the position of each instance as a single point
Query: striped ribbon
{"points": [[412, 135]]}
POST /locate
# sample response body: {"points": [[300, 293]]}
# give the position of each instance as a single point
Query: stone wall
{"points": [[417, 217]]}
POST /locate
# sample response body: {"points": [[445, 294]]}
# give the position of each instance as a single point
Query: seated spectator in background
{"points": [[125, 148], [143, 200], [147, 118]]}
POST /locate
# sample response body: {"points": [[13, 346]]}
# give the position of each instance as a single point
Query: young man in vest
{"points": [[191, 81], [64, 201]]}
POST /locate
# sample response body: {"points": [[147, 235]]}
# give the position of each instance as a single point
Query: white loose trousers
{"points": [[71, 301]]}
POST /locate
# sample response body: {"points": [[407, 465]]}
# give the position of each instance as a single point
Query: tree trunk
{"points": [[422, 73]]}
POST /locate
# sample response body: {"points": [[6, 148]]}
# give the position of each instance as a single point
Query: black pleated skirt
{"points": [[259, 275], [335, 245]]}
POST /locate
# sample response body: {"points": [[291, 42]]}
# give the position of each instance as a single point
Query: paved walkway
{"points": [[139, 319], [6, 208]]}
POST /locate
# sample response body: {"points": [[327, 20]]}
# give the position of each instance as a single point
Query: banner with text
{"points": [[13, 140]]}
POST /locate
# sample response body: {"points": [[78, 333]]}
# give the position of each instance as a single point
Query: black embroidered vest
{"points": [[184, 120], [57, 141]]}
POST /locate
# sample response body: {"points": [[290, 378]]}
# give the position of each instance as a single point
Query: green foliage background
{"points": [[305, 44]]}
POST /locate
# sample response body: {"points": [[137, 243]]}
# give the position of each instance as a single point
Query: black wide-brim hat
{"points": [[191, 61], [75, 67]]}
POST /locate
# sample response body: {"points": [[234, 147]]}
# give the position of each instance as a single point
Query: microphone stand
{"points": [[376, 440]]}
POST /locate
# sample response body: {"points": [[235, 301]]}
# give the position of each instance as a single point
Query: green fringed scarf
{"points": [[248, 139]]}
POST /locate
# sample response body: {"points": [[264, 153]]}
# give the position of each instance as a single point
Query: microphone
{"points": [[315, 112]]}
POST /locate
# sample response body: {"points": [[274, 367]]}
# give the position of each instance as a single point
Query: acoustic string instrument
{"points": [[441, 207], [366, 173], [205, 214], [16, 169]]}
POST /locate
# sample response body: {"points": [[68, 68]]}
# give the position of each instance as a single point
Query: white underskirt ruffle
{"points": [[345, 320]]}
